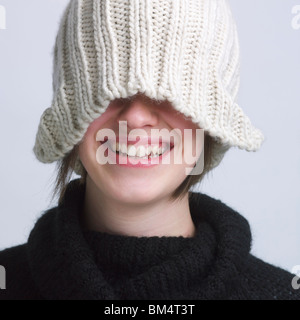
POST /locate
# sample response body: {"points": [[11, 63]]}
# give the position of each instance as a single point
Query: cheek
{"points": [[191, 141], [186, 128], [101, 122], [85, 151], [88, 146]]}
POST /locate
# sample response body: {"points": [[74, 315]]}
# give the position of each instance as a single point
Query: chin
{"points": [[137, 195]]}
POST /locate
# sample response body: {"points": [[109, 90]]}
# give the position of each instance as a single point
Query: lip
{"points": [[125, 161], [129, 162], [145, 141]]}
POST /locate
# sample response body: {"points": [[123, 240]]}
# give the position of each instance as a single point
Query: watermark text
{"points": [[2, 18], [296, 279], [140, 148], [2, 278], [296, 18]]}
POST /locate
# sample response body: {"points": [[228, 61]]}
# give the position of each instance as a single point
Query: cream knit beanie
{"points": [[185, 51]]}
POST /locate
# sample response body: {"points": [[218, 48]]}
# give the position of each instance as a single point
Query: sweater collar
{"points": [[69, 263]]}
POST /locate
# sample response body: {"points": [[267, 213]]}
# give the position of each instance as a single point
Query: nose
{"points": [[139, 113]]}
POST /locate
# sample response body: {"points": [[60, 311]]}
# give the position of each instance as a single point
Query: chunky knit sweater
{"points": [[63, 261]]}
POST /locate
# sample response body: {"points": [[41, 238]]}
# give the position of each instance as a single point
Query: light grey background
{"points": [[262, 186]]}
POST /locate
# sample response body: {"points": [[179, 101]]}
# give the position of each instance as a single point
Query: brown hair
{"points": [[65, 168]]}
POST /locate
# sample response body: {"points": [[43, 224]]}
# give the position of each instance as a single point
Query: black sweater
{"points": [[62, 261]]}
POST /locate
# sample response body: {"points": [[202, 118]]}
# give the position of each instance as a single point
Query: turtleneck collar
{"points": [[69, 263]]}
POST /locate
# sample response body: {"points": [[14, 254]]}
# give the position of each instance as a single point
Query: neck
{"points": [[158, 218]]}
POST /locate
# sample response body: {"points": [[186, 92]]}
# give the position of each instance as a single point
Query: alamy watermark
{"points": [[137, 148], [296, 279], [2, 278], [296, 18], [2, 17]]}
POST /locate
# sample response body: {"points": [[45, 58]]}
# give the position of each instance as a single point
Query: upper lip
{"points": [[143, 141]]}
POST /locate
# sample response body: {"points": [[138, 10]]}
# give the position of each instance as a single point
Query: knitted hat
{"points": [[185, 51]]}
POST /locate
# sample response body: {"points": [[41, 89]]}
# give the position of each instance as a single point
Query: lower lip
{"points": [[128, 162]]}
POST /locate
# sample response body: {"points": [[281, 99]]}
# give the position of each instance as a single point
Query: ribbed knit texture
{"points": [[63, 261], [184, 51]]}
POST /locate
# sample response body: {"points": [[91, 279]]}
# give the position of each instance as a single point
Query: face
{"points": [[146, 177]]}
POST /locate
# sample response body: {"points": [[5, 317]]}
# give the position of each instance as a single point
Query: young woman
{"points": [[130, 227]]}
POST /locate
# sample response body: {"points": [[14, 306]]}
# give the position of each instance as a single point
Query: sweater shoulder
{"points": [[265, 281], [18, 281]]}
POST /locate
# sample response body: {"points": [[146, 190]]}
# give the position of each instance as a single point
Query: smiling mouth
{"points": [[149, 151]]}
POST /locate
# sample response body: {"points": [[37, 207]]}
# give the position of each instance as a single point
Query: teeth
{"points": [[148, 150], [114, 147], [131, 151], [123, 148], [155, 150], [140, 151]]}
